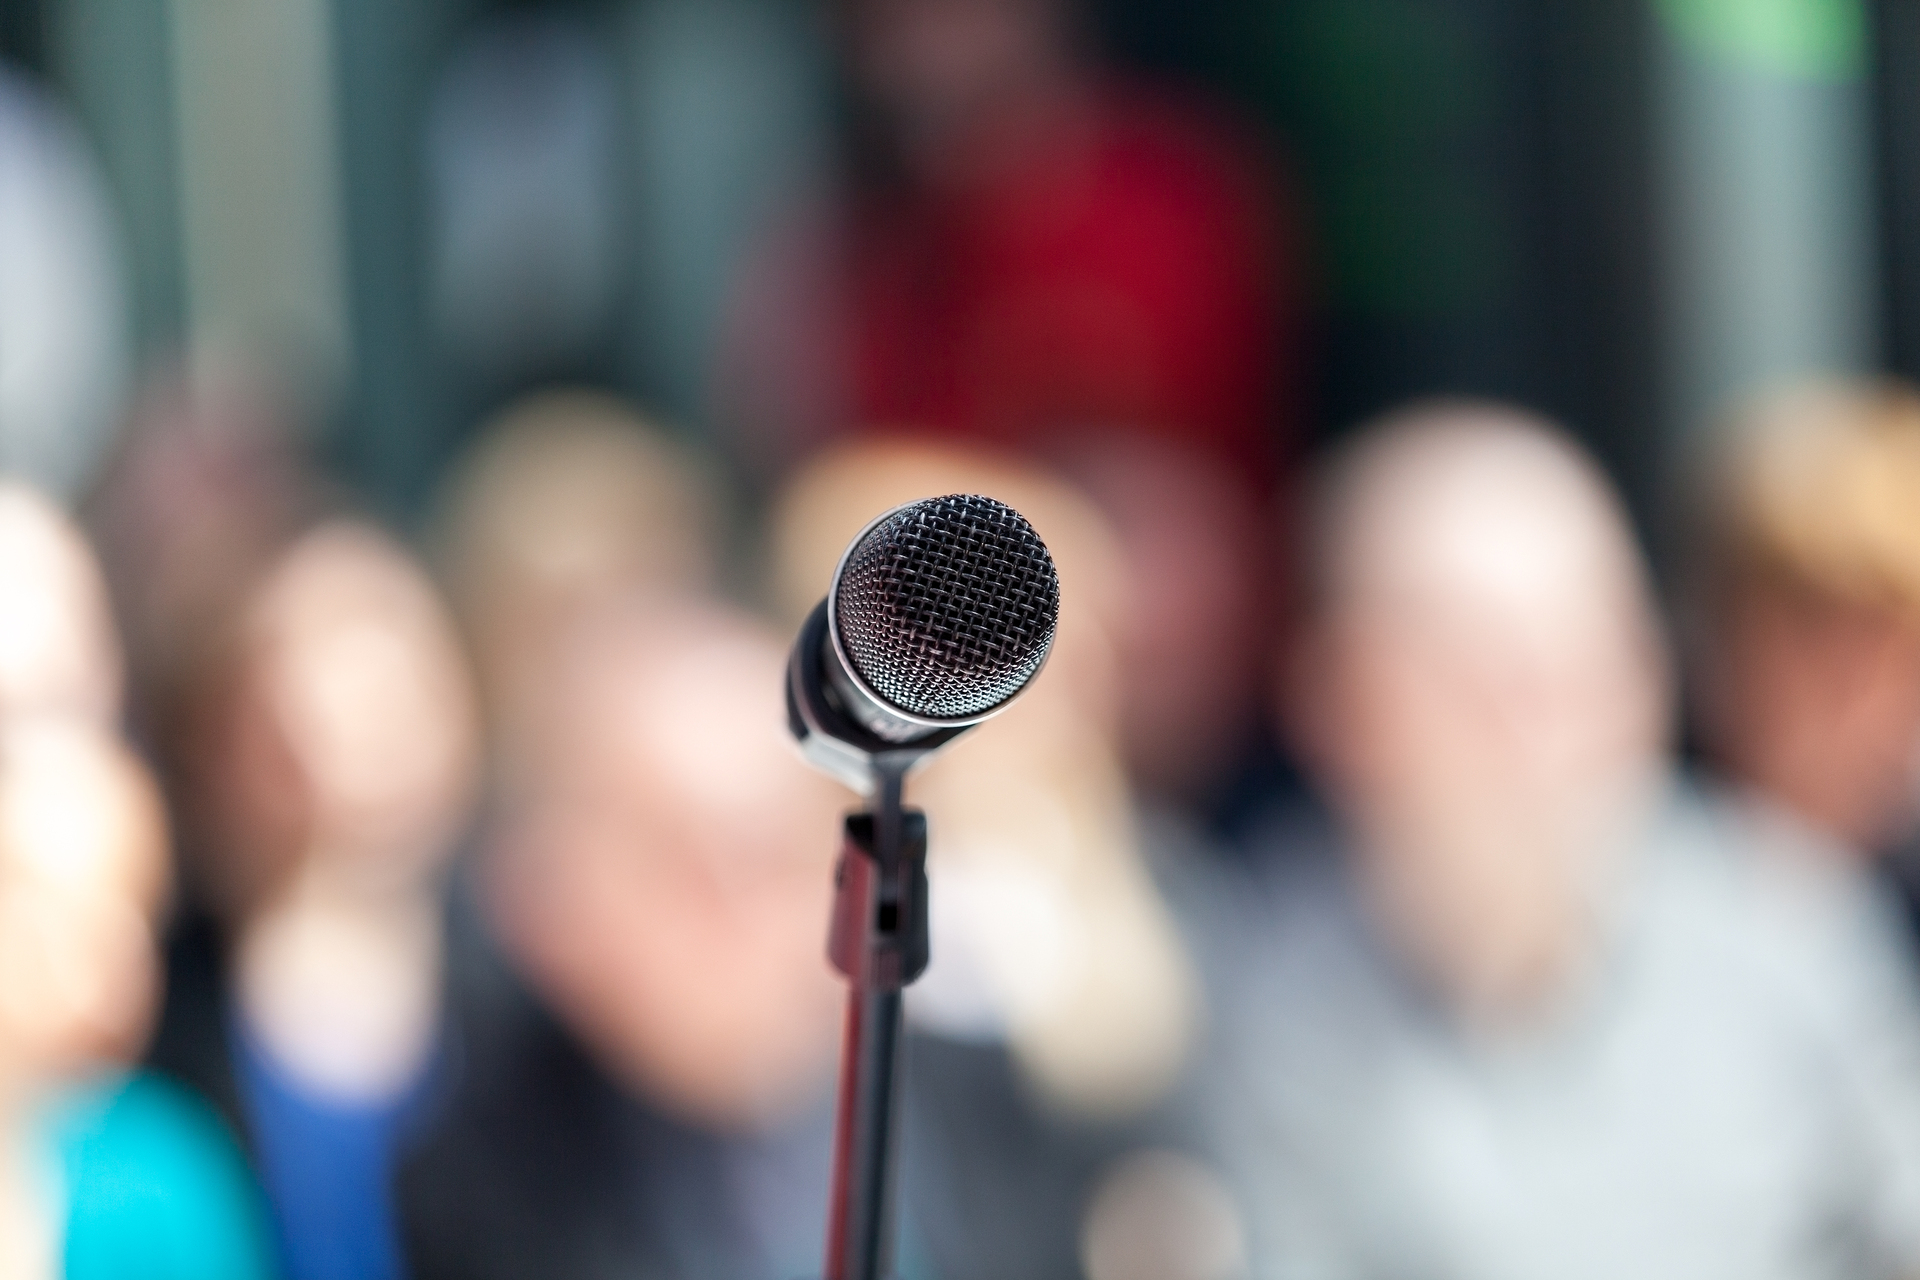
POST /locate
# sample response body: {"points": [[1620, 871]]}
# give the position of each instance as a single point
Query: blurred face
{"points": [[937, 67], [1817, 703], [570, 503], [670, 883], [80, 877], [352, 739], [57, 650], [200, 490], [1191, 539], [1485, 710]]}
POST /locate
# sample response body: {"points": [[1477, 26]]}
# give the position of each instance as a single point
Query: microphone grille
{"points": [[948, 606]]}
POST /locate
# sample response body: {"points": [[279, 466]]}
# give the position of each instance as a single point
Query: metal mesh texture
{"points": [[948, 607]]}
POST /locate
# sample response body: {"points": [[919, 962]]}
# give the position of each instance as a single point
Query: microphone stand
{"points": [[879, 941], [948, 557]]}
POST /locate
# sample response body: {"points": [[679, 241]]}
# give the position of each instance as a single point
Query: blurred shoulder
{"points": [[1160, 125], [1802, 913], [1271, 921], [518, 1167], [148, 1126], [1288, 865], [1179, 147], [157, 1186], [1788, 874]]}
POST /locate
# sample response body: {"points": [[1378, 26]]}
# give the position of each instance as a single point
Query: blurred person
{"points": [[1198, 549], [1807, 596], [1041, 254], [59, 651], [63, 303], [105, 1173], [205, 485], [658, 883], [1525, 1007], [1057, 1014], [333, 743], [1029, 242], [567, 500]]}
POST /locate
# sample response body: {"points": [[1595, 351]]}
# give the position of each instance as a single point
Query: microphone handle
{"points": [[879, 941]]}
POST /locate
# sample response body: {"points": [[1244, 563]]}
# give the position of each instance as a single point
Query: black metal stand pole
{"points": [[879, 941]]}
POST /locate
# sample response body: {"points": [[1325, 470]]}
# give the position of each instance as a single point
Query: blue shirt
{"points": [[327, 1165]]}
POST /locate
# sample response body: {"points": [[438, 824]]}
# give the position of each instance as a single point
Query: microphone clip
{"points": [[879, 936]]}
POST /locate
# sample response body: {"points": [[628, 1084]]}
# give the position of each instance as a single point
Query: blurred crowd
{"points": [[1386, 877]]}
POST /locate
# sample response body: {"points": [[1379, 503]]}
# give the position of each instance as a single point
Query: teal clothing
{"points": [[155, 1188]]}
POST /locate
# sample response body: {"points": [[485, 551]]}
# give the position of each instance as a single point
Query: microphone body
{"points": [[938, 615]]}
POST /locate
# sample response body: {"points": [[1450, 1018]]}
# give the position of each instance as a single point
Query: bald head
{"points": [[1469, 496], [1481, 690]]}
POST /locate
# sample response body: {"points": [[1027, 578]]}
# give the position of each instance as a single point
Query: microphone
{"points": [[939, 614]]}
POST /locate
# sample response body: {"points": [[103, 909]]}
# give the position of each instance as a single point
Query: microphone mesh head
{"points": [[948, 606]]}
